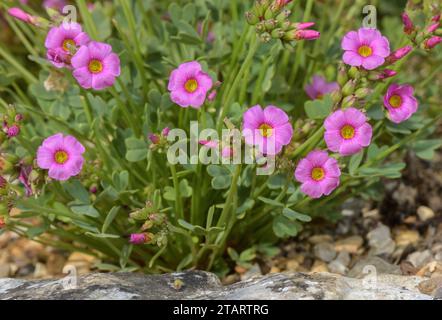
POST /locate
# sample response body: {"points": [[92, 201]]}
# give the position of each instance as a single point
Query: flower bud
{"points": [[436, 18], [278, 33], [349, 88], [399, 54], [348, 101], [270, 24], [2, 221], [362, 93], [19, 14], [432, 42], [342, 75], [154, 138], [251, 18], [260, 27], [381, 75], [283, 15], [433, 27], [304, 25], [265, 37], [13, 131], [336, 96], [301, 35], [354, 73], [408, 24], [165, 132], [3, 183], [138, 238]]}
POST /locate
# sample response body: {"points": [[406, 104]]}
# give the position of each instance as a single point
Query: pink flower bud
{"points": [[19, 14], [436, 18], [93, 189], [432, 42], [165, 132], [387, 73], [279, 4], [433, 27], [13, 131], [154, 138], [138, 238], [212, 96], [408, 24], [307, 34], [399, 54], [304, 25], [18, 117], [3, 182], [2, 223], [213, 144]]}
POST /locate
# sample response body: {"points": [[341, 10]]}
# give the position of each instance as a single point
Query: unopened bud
{"points": [[13, 131], [278, 33], [399, 54], [342, 75], [354, 73], [251, 18], [362, 93], [349, 88], [432, 42], [408, 24], [433, 27], [348, 102]]}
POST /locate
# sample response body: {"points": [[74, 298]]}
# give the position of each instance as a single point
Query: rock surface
{"points": [[204, 285]]}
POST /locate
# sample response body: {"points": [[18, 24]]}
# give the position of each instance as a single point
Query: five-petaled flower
{"points": [[319, 174], [62, 156], [189, 85], [400, 102], [269, 129], [62, 41], [365, 48], [347, 131], [96, 66]]}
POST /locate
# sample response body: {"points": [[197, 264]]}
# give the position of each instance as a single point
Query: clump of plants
{"points": [[162, 137]]}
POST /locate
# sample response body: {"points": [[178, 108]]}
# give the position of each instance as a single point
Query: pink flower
{"points": [[318, 173], [62, 40], [400, 102], [399, 54], [189, 85], [138, 238], [19, 14], [432, 42], [63, 156], [320, 87], [96, 66], [366, 48], [347, 131], [269, 129]]}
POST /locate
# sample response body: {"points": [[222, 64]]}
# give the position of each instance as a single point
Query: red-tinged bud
{"points": [[408, 24], [304, 25], [93, 189], [212, 96], [3, 183], [436, 18], [165, 132], [13, 131], [2, 223], [432, 42], [387, 73], [154, 138], [301, 35], [21, 15], [138, 238], [251, 18], [399, 54], [433, 27], [18, 117]]}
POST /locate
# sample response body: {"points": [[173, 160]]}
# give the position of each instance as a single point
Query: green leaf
{"points": [[233, 254], [86, 210], [221, 182], [293, 215], [319, 109], [77, 191], [355, 162], [283, 227], [136, 150], [425, 149], [109, 218], [391, 171], [102, 235], [271, 202], [125, 254], [247, 255]]}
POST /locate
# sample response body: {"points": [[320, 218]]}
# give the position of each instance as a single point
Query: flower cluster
{"points": [[93, 63], [424, 36], [271, 20]]}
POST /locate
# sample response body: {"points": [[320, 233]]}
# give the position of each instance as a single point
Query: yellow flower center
{"points": [[365, 51], [395, 101], [318, 174], [266, 130], [68, 44], [61, 157], [347, 132], [95, 66], [191, 85]]}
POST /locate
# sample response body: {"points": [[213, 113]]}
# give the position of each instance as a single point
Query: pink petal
{"points": [[318, 157], [349, 147], [350, 42], [74, 144], [335, 121], [328, 185], [81, 58], [352, 58], [381, 47], [102, 80], [284, 134], [372, 62], [99, 50], [45, 157], [312, 189], [58, 172], [367, 35], [253, 117], [333, 140], [355, 117], [84, 77], [303, 171], [364, 135], [275, 116], [112, 64]]}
